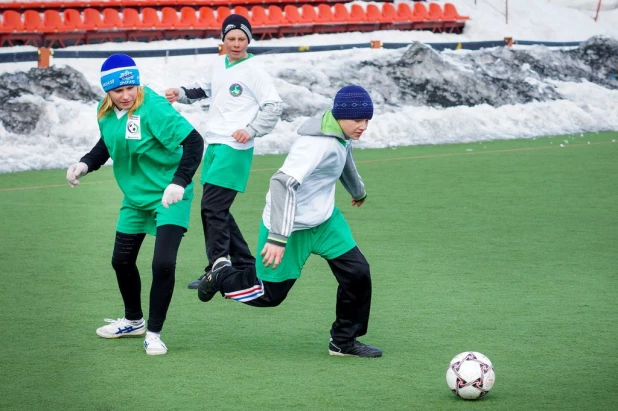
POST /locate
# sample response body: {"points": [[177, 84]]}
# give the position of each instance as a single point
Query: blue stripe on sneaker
{"points": [[128, 329]]}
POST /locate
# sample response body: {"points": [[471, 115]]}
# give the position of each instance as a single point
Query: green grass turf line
{"points": [[505, 247]]}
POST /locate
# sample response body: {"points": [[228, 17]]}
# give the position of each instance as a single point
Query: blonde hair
{"points": [[108, 104]]}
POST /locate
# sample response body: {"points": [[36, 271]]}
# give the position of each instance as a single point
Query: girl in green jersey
{"points": [[155, 153]]}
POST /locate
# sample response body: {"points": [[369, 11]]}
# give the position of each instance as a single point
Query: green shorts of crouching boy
{"points": [[329, 240], [226, 167], [136, 221]]}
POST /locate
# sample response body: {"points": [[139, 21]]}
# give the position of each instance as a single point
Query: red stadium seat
{"points": [[308, 14], [435, 12], [12, 21], [169, 18], [405, 13], [451, 13], [374, 15], [73, 19], [150, 18], [32, 21], [222, 13], [52, 21], [341, 14], [188, 18], [208, 18], [130, 19], [259, 16], [275, 15], [92, 19], [357, 14], [389, 13], [242, 10], [291, 14], [420, 12], [112, 19], [325, 14]]}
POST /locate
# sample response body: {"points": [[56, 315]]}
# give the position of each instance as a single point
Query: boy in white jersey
{"points": [[245, 105], [300, 219], [156, 152]]}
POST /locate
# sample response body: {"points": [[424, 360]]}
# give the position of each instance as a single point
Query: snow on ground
{"points": [[70, 127]]}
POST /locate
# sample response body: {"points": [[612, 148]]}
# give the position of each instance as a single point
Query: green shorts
{"points": [[227, 167], [136, 221], [329, 240]]}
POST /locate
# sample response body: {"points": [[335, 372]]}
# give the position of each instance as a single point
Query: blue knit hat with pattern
{"points": [[352, 102], [119, 70]]}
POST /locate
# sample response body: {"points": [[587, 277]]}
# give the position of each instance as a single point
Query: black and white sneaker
{"points": [[193, 285], [207, 287], [354, 349]]}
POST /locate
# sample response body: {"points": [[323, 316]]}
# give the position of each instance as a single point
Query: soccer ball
{"points": [[470, 375]]}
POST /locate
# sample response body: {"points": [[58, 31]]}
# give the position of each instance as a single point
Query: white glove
{"points": [[75, 172], [172, 194]]}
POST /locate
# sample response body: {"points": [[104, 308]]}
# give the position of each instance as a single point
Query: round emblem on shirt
{"points": [[235, 90], [132, 127]]}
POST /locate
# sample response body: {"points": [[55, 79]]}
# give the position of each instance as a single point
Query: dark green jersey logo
{"points": [[235, 90]]}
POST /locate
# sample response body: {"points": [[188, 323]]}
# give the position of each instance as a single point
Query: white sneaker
{"points": [[154, 345], [122, 328]]}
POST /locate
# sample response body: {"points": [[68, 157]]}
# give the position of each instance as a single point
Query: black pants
{"points": [[124, 260], [222, 236], [353, 293]]}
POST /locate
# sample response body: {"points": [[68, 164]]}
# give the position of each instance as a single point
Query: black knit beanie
{"points": [[236, 21]]}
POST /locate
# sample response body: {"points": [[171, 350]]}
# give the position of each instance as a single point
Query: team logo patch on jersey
{"points": [[133, 131], [235, 90]]}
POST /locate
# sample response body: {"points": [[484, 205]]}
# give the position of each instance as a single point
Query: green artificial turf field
{"points": [[509, 248]]}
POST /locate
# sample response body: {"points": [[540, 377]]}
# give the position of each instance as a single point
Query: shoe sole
{"points": [[114, 336], [156, 352], [340, 354]]}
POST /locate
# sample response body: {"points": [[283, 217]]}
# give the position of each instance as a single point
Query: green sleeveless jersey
{"points": [[145, 148]]}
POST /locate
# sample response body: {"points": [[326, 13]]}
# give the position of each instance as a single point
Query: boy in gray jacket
{"points": [[300, 219]]}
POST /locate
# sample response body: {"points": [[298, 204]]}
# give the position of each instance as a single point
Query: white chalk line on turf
{"points": [[467, 153]]}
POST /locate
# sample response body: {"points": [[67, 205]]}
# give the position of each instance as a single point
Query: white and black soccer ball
{"points": [[470, 375]]}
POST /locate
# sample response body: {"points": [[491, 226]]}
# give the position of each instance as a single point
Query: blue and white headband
{"points": [[119, 70]]}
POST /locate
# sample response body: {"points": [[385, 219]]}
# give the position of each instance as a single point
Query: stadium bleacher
{"points": [[63, 23]]}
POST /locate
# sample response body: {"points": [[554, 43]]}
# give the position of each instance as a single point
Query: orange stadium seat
{"points": [[32, 21], [374, 15], [92, 19], [222, 13], [208, 18], [169, 18], [242, 10], [308, 14], [389, 13], [325, 14], [12, 21], [52, 20], [150, 18], [450, 12], [420, 12], [112, 19], [405, 13], [357, 14], [73, 19], [435, 12], [259, 16], [130, 19], [341, 14], [188, 18], [275, 15], [291, 14]]}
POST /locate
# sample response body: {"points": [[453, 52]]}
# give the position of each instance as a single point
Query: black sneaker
{"points": [[207, 287], [193, 285], [354, 349]]}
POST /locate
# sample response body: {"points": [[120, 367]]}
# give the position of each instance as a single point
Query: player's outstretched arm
{"points": [[88, 163]]}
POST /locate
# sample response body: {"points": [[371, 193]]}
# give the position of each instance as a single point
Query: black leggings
{"points": [[124, 260], [353, 307]]}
